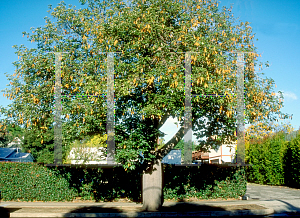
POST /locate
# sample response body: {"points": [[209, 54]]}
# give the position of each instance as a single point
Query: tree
{"points": [[180, 145], [97, 141], [4, 140], [149, 78], [260, 130], [9, 134]]}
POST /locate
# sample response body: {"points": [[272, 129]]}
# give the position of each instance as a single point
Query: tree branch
{"points": [[170, 144], [163, 120]]}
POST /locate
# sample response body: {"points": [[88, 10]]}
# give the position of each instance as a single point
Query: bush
{"points": [[266, 156], [29, 182], [33, 182], [275, 160], [204, 182], [291, 163]]}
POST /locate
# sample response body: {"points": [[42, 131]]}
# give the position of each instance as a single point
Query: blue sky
{"points": [[276, 24]]}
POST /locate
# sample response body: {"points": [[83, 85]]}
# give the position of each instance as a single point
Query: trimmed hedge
{"points": [[291, 163], [33, 182], [204, 182], [29, 181], [275, 161]]}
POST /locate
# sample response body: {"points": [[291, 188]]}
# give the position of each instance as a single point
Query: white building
{"points": [[225, 154]]}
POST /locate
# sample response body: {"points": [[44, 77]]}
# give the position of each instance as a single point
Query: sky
{"points": [[275, 23]]}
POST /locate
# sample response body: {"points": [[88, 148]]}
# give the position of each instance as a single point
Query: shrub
{"points": [[29, 182], [204, 182], [291, 163], [266, 156], [33, 182], [275, 160]]}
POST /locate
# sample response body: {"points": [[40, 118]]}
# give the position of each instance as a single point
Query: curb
{"points": [[151, 214]]}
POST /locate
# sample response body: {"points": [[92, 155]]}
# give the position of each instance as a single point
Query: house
{"points": [[225, 154], [14, 155], [200, 157]]}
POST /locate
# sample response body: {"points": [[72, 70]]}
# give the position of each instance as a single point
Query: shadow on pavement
{"points": [[296, 210], [177, 207], [96, 209], [5, 213]]}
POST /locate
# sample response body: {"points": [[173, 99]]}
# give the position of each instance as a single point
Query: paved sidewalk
{"points": [[263, 201], [64, 209]]}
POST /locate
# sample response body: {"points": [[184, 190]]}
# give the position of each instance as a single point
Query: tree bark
{"points": [[152, 192]]}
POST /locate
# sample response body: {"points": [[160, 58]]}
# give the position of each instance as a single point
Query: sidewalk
{"points": [[116, 209], [264, 201]]}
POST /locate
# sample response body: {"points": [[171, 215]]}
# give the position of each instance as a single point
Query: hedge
{"points": [[33, 182], [275, 160]]}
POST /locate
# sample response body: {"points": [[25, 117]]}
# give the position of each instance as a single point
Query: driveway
{"points": [[267, 192], [282, 199]]}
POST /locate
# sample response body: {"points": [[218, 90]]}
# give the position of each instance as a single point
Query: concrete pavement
{"points": [[170, 209], [282, 199], [263, 201]]}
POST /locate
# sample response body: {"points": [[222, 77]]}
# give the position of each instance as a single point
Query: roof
{"points": [[198, 155], [18, 155], [12, 153], [5, 152]]}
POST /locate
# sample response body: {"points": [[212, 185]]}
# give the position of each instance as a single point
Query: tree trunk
{"points": [[153, 197]]}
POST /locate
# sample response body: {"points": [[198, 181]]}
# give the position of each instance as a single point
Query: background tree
{"points": [[4, 140], [10, 133], [97, 141], [149, 78], [180, 145], [260, 130]]}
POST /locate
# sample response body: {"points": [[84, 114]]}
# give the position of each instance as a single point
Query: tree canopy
{"points": [[9, 134], [151, 37]]}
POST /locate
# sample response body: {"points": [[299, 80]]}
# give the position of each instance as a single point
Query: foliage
{"points": [[275, 160], [291, 163], [149, 78], [82, 149], [97, 141], [43, 153], [4, 138], [65, 184], [8, 134], [205, 182], [180, 145], [29, 182], [266, 157], [259, 130]]}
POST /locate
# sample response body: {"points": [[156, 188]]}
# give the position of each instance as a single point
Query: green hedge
{"points": [[291, 163], [29, 181], [33, 182], [204, 182], [275, 161]]}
